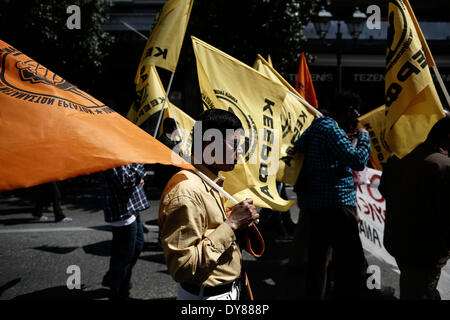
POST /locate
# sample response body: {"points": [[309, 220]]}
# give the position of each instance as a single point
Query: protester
{"points": [[169, 136], [200, 242], [46, 193], [123, 199], [417, 226], [327, 195], [163, 173]]}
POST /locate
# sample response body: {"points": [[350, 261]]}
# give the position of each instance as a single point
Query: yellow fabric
{"points": [[166, 37], [373, 122], [199, 247], [295, 119], [227, 83], [150, 97], [412, 103]]}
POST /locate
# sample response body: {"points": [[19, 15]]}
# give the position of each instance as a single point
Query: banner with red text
{"points": [[371, 208]]}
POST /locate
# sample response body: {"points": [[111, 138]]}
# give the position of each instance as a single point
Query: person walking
{"points": [[123, 199], [45, 194]]}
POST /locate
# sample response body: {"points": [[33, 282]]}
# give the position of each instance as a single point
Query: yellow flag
{"points": [[166, 37], [412, 103], [226, 83], [373, 122], [295, 118], [150, 96]]}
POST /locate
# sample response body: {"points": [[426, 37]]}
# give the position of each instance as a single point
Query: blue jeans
{"points": [[127, 245]]}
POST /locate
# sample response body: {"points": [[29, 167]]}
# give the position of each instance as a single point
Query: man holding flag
{"points": [[200, 237]]}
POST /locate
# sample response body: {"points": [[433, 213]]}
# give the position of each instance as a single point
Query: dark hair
{"points": [[169, 125], [344, 100], [219, 119], [216, 119]]}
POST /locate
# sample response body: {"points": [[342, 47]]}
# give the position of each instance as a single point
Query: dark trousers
{"points": [[420, 282], [127, 245], [335, 228], [46, 193]]}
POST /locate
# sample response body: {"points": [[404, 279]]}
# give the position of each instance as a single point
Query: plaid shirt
{"points": [[326, 178], [123, 194]]}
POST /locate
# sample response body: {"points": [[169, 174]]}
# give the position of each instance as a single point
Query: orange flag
{"points": [[304, 83], [51, 130]]}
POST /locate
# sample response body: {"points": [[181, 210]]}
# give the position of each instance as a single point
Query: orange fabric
{"points": [[51, 130], [304, 84]]}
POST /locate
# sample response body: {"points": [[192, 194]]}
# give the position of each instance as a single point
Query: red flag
{"points": [[304, 83], [51, 130]]}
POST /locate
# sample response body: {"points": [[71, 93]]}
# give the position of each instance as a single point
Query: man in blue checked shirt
{"points": [[327, 194], [123, 198]]}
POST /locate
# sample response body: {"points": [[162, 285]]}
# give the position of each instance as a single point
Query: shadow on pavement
{"points": [[16, 221], [267, 275], [152, 222], [152, 246], [21, 209], [157, 258], [102, 248], [58, 250], [9, 285], [63, 293]]}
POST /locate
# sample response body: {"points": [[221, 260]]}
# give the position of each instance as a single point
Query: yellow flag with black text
{"points": [[150, 96], [166, 38], [295, 118], [374, 122], [412, 103], [226, 83]]}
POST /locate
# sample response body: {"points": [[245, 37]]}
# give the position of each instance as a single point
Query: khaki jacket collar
{"points": [[218, 179]]}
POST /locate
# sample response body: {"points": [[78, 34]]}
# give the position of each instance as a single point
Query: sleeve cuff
{"points": [[363, 137], [222, 237]]}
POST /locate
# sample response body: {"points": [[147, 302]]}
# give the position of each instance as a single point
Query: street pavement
{"points": [[35, 256]]}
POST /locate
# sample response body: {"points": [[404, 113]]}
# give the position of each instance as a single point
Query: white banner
{"points": [[371, 209]]}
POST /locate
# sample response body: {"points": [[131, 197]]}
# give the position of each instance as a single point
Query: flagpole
{"points": [[218, 188], [170, 83], [133, 29], [441, 83], [215, 186], [310, 107], [164, 104]]}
